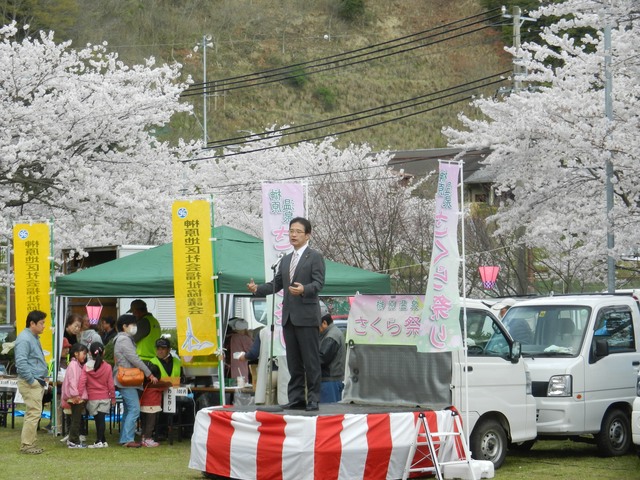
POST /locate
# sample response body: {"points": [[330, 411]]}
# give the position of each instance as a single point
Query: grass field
{"points": [[547, 460]]}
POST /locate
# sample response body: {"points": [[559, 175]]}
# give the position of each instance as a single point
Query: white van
{"points": [[583, 357], [501, 409], [635, 417]]}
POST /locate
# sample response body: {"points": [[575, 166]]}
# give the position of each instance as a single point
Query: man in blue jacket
{"points": [[32, 378]]}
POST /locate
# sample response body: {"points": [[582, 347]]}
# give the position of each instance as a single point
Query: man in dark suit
{"points": [[301, 275]]}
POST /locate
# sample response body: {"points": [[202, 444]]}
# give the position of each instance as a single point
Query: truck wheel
{"points": [[614, 438], [489, 442]]}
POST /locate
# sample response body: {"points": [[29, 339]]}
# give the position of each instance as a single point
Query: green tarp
{"points": [[238, 258]]}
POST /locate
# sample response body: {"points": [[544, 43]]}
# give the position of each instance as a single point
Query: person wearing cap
{"points": [[503, 306], [168, 364], [518, 327], [239, 341], [64, 353], [170, 368], [148, 330], [125, 355]]}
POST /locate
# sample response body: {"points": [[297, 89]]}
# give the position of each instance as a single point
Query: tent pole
{"points": [[216, 315], [272, 325], [54, 343]]}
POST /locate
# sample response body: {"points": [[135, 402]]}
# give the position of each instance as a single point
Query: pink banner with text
{"points": [[281, 202], [440, 328]]}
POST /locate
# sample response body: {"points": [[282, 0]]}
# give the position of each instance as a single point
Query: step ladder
{"points": [[437, 443]]}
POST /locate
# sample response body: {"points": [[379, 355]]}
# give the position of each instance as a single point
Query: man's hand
{"points": [[251, 286], [296, 289]]}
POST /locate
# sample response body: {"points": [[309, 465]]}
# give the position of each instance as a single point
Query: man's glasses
{"points": [[297, 231]]}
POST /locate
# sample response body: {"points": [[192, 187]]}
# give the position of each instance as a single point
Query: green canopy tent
{"points": [[238, 257]]}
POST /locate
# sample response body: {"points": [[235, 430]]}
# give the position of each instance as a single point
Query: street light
{"points": [[206, 42]]}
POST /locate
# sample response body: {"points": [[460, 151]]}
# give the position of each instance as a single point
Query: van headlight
{"points": [[560, 386]]}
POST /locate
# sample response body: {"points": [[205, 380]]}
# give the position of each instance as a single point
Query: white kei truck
{"points": [[499, 410], [635, 418], [583, 356]]}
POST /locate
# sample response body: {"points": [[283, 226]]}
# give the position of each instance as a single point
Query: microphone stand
{"points": [[270, 400]]}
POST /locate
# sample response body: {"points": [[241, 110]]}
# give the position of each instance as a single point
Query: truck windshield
{"points": [[548, 330]]}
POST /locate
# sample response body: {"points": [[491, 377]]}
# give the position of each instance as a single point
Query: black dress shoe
{"points": [[299, 405], [312, 407]]}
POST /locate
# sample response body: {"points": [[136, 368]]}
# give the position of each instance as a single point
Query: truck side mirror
{"points": [[602, 348], [516, 352]]}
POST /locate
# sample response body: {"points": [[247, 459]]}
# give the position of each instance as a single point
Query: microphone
{"points": [[280, 255]]}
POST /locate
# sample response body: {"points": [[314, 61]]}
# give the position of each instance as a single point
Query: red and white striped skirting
{"points": [[268, 446]]}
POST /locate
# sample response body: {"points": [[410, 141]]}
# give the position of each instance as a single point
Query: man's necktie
{"points": [[293, 265]]}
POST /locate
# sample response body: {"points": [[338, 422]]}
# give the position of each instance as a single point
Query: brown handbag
{"points": [[130, 377]]}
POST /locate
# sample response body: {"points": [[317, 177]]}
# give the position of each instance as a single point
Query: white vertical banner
{"points": [[440, 325], [281, 202]]}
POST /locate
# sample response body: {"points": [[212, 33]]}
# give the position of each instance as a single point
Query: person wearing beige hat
{"points": [[239, 341], [518, 327], [503, 306]]}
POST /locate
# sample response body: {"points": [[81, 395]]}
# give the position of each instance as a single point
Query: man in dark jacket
{"points": [[332, 358], [301, 278]]}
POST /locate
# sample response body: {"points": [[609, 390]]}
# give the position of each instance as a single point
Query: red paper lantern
{"points": [[489, 275]]}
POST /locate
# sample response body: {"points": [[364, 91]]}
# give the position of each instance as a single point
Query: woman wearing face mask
{"points": [[125, 356]]}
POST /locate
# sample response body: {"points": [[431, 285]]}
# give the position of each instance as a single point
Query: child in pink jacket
{"points": [[101, 391], [74, 392]]}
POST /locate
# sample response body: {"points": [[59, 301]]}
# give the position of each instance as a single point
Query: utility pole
{"points": [[608, 109], [518, 69], [204, 95], [517, 81], [522, 265]]}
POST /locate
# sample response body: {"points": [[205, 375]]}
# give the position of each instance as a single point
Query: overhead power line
{"points": [[352, 117], [237, 187], [350, 58], [354, 129]]}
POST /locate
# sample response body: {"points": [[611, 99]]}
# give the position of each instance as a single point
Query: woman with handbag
{"points": [[129, 374]]}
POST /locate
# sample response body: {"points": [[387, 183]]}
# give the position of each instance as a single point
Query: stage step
{"points": [[439, 443]]}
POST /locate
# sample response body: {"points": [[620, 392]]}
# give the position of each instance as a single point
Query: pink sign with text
{"points": [[281, 202]]}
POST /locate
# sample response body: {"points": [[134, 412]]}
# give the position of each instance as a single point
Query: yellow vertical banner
{"points": [[31, 251], [193, 278]]}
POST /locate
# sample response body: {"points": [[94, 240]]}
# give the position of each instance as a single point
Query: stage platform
{"points": [[341, 441]]}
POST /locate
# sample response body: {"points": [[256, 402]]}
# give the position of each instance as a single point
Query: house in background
{"points": [[478, 179]]}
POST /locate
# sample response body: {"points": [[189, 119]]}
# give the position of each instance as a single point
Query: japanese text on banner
{"points": [[385, 319], [193, 278], [32, 276], [281, 202], [440, 329]]}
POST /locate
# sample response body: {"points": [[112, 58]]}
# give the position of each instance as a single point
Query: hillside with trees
{"points": [[247, 36]]}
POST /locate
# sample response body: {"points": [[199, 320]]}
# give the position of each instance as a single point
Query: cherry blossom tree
{"points": [[550, 142], [364, 213], [78, 143], [79, 147]]}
